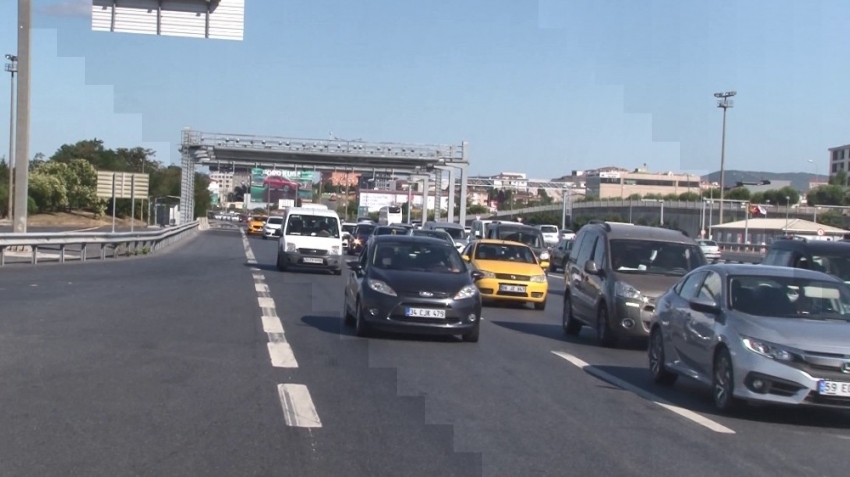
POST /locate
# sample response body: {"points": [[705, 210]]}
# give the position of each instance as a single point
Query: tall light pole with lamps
{"points": [[725, 103], [12, 68]]}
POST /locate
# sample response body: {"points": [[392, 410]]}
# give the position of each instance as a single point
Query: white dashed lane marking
{"points": [[295, 400], [687, 414]]}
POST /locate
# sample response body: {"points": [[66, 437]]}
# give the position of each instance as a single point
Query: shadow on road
{"points": [[334, 325], [556, 332], [692, 395]]}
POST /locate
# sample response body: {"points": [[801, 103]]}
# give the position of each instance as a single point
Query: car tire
{"points": [[604, 336], [347, 318], [540, 306], [264, 237], [338, 271], [472, 336], [723, 382], [660, 373], [361, 328], [572, 327]]}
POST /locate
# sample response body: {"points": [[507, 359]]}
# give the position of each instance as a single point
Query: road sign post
{"points": [[108, 187]]}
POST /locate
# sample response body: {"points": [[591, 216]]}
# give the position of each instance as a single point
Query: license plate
{"points": [[512, 288], [834, 388], [425, 313], [313, 260]]}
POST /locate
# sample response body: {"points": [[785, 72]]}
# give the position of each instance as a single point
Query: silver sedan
{"points": [[756, 333]]}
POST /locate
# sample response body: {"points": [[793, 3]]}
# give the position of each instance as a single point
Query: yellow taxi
{"points": [[511, 272], [255, 225]]}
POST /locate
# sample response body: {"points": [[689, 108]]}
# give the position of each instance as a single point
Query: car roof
{"points": [[311, 211], [811, 245], [767, 270], [623, 231], [500, 242], [408, 238], [435, 223]]}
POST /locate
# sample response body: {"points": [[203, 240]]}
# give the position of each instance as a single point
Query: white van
{"points": [[479, 227], [310, 238]]}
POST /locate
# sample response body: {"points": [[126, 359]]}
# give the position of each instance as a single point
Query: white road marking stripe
{"points": [[276, 337], [559, 277], [281, 355], [265, 302], [258, 277], [687, 414], [298, 408], [271, 324]]}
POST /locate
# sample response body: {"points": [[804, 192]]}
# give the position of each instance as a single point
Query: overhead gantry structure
{"points": [[416, 160]]}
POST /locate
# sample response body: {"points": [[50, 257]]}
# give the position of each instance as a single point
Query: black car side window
{"points": [[599, 255], [364, 262]]}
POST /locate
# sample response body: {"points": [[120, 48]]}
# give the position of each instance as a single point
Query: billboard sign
{"points": [[270, 186], [122, 185]]}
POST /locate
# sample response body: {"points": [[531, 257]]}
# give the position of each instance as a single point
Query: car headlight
{"points": [[381, 287], [544, 256], [538, 279], [290, 247], [335, 250], [624, 290], [768, 350], [357, 241], [468, 291], [487, 274]]}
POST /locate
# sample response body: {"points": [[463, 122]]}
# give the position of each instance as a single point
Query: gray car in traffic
{"points": [[756, 333]]}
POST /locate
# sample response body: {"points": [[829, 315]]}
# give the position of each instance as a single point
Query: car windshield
{"points": [[655, 257], [416, 256], [455, 233], [835, 265], [390, 231], [549, 229], [530, 238], [708, 243], [789, 297], [348, 228], [313, 226], [258, 218], [275, 220], [364, 230], [437, 234], [504, 253]]}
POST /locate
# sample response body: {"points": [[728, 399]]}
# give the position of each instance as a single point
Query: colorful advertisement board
{"points": [[274, 185]]}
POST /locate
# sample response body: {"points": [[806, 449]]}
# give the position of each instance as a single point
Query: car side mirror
{"points": [[476, 275], [354, 266], [705, 305], [465, 258], [591, 268], [278, 233]]}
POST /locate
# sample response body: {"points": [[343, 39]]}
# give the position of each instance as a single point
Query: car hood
{"points": [[412, 282], [501, 266], [648, 284], [807, 335]]}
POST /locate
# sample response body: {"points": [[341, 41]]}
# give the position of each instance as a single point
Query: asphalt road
{"points": [[161, 366]]}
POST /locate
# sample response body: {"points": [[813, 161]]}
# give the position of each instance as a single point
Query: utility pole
{"points": [[12, 68], [22, 126], [724, 103]]}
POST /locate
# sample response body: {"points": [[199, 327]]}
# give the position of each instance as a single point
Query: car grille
{"points": [[822, 365], [434, 294], [508, 276], [312, 251]]}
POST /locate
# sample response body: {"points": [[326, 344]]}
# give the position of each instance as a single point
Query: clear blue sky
{"points": [[541, 88]]}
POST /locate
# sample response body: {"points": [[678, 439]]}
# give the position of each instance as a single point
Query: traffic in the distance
{"points": [[775, 333]]}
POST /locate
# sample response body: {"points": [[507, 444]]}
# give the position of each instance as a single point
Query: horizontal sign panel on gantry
{"points": [[215, 19]]}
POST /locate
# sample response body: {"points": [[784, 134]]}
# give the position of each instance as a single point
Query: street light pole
{"points": [[787, 209], [12, 68], [22, 124], [725, 103]]}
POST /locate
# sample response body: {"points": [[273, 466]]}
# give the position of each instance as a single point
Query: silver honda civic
{"points": [[775, 335]]}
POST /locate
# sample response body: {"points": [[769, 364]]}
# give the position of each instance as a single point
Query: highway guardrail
{"points": [[35, 248]]}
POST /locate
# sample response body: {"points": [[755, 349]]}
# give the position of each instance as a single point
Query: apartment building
{"points": [[839, 159]]}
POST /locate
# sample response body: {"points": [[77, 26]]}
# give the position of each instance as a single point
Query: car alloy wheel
{"points": [[660, 374], [723, 384]]}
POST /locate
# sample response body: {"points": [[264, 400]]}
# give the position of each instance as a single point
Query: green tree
{"points": [[48, 192], [738, 193], [831, 194]]}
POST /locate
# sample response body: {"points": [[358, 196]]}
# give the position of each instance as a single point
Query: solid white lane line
{"points": [[261, 287], [686, 413], [559, 277], [281, 355], [298, 408]]}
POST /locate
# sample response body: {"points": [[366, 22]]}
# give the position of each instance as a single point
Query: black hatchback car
{"points": [[412, 284], [832, 257]]}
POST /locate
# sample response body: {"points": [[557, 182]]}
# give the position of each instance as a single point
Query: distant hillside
{"points": [[799, 180]]}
